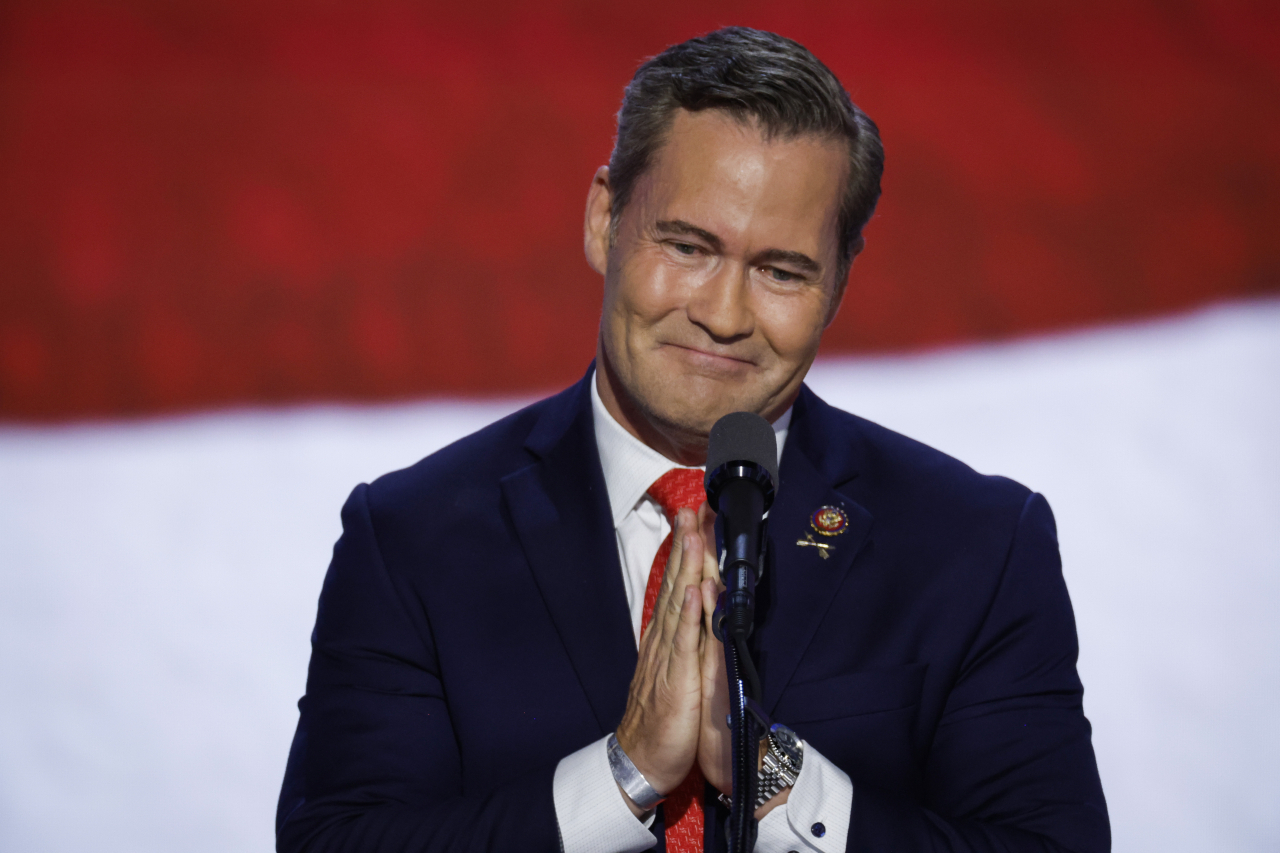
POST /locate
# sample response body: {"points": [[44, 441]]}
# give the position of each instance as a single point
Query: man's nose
{"points": [[720, 303]]}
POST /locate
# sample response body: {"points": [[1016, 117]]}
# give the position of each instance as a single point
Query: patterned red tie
{"points": [[682, 810]]}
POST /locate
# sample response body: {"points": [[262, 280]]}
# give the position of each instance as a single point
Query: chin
{"points": [[695, 404]]}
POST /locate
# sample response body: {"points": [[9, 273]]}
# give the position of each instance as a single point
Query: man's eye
{"points": [[685, 248], [781, 275]]}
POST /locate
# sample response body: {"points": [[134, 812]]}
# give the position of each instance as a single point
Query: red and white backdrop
{"points": [[254, 252]]}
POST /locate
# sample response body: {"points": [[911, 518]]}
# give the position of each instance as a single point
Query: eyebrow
{"points": [[679, 226], [769, 256]]}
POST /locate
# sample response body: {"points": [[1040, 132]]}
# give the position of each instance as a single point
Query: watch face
{"points": [[788, 743]]}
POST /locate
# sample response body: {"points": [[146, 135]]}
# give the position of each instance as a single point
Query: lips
{"points": [[709, 358]]}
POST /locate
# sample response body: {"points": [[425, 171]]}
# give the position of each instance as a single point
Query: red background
{"points": [[213, 203]]}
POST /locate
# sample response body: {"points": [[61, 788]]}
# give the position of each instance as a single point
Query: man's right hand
{"points": [[659, 729]]}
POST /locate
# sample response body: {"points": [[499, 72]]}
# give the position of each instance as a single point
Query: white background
{"points": [[158, 579]]}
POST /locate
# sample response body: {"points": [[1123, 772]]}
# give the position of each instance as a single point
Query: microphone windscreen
{"points": [[743, 437]]}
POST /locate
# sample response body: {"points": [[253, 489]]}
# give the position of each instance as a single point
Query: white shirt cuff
{"points": [[821, 801], [590, 810]]}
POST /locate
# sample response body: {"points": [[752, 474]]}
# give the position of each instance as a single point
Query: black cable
{"points": [[741, 825], [747, 667]]}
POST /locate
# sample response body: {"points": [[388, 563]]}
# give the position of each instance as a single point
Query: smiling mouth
{"points": [[716, 358]]}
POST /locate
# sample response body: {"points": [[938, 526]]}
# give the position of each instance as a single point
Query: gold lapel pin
{"points": [[823, 547], [826, 521]]}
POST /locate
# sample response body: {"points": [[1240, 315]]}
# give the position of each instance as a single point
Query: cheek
{"points": [[647, 290], [792, 325]]}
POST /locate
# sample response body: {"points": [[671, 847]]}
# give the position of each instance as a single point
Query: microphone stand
{"points": [[741, 494], [746, 739]]}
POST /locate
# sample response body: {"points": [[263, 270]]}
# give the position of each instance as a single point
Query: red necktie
{"points": [[682, 810]]}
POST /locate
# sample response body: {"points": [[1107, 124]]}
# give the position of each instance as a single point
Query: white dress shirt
{"points": [[590, 810]]}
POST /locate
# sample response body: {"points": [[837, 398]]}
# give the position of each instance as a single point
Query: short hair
{"points": [[750, 74]]}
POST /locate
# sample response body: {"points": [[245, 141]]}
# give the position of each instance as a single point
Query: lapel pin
{"points": [[823, 547], [829, 521], [826, 521]]}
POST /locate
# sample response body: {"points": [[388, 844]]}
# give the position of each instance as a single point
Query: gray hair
{"points": [[750, 74]]}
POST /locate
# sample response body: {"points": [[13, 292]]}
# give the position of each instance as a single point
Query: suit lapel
{"points": [[560, 510], [803, 584]]}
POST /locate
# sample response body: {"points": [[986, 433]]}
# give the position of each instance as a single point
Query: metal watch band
{"points": [[781, 765], [629, 778]]}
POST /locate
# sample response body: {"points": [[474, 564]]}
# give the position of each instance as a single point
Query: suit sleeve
{"points": [[1011, 765], [374, 764]]}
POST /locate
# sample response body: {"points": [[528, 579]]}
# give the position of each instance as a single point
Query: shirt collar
{"points": [[630, 466]]}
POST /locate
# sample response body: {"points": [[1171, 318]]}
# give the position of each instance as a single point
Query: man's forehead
{"points": [[718, 171]]}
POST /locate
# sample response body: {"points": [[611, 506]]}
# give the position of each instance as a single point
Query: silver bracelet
{"points": [[630, 779]]}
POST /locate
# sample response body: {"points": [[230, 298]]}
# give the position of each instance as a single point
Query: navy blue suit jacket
{"points": [[473, 630]]}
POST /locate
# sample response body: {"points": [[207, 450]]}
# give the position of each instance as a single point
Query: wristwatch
{"points": [[781, 763]]}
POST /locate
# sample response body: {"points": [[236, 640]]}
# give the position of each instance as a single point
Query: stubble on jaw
{"points": [[683, 440], [679, 432]]}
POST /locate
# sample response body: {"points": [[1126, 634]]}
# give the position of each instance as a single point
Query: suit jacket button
{"points": [[818, 829]]}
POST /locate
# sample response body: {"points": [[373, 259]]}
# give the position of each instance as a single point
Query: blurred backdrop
{"points": [[252, 253], [210, 203]]}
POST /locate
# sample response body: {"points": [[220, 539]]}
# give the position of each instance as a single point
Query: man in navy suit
{"points": [[493, 670]]}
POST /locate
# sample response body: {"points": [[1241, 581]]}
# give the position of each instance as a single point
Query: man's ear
{"points": [[836, 298], [595, 226]]}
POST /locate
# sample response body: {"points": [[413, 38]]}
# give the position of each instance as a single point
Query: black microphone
{"points": [[742, 476]]}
